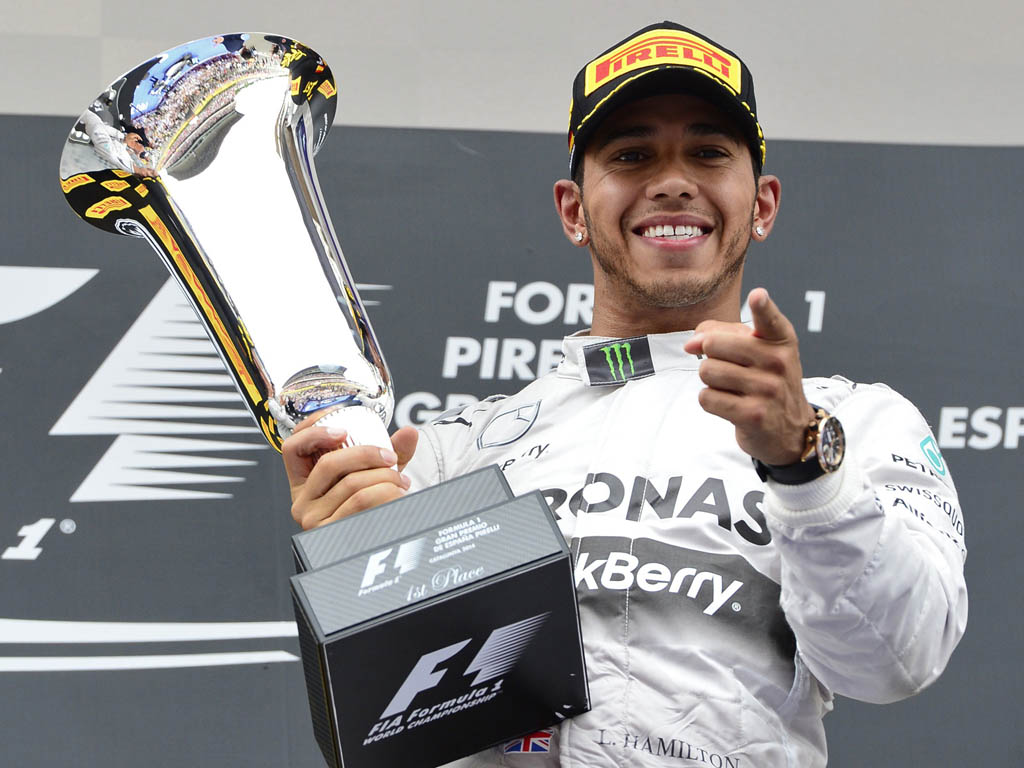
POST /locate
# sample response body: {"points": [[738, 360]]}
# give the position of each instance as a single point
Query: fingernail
{"points": [[336, 432], [389, 456], [406, 481]]}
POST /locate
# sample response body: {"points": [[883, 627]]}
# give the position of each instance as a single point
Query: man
{"points": [[117, 149], [722, 604]]}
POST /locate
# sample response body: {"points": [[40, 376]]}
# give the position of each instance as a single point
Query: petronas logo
{"points": [[617, 350]]}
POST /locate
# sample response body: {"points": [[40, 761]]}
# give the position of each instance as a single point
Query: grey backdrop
{"points": [[916, 249]]}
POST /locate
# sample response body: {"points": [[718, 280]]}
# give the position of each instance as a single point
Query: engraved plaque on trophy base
{"points": [[374, 528]]}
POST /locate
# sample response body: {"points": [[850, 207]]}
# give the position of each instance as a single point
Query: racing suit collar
{"points": [[603, 361]]}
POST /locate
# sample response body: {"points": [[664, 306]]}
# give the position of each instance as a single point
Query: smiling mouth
{"points": [[670, 232]]}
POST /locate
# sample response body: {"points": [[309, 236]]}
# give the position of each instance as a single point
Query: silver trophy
{"points": [[206, 152]]}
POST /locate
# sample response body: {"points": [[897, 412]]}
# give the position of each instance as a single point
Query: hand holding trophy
{"points": [[206, 152]]}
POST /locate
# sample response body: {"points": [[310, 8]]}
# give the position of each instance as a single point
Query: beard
{"points": [[666, 294]]}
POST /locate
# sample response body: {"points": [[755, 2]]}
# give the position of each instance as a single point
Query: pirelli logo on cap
{"points": [[103, 207], [75, 181], [663, 46], [295, 86], [115, 185], [327, 89]]}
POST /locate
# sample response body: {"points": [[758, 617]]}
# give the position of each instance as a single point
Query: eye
{"points": [[711, 153], [629, 156]]}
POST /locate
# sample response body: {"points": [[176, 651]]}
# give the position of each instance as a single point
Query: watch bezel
{"points": [[830, 442]]}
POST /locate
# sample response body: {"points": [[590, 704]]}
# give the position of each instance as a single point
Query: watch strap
{"points": [[798, 473]]}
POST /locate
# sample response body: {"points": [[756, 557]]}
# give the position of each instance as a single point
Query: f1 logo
{"points": [[424, 676], [406, 558], [499, 654]]}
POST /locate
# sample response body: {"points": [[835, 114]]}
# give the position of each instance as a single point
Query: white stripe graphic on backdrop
{"points": [[163, 379], [33, 631], [36, 631], [172, 661]]}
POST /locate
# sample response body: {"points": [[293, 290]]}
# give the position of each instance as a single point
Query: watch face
{"points": [[831, 444]]}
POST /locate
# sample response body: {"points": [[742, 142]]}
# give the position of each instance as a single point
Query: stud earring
{"points": [[759, 230], [579, 237]]}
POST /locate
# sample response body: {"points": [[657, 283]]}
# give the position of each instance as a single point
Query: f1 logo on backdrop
{"points": [[981, 428], [173, 412]]}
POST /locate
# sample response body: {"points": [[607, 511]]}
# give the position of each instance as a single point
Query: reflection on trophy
{"points": [[206, 151]]}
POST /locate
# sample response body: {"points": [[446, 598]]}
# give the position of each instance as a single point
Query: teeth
{"points": [[667, 230]]}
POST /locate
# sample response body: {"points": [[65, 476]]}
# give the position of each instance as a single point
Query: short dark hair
{"points": [[577, 175]]}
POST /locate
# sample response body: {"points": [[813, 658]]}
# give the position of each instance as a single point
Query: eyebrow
{"points": [[625, 132], [713, 129], [641, 131]]}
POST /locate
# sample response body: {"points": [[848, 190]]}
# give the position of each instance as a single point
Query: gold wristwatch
{"points": [[824, 448]]}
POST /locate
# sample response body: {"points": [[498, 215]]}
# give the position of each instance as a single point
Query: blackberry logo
{"points": [[621, 571]]}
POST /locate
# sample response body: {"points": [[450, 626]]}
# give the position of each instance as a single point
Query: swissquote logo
{"points": [[497, 656], [181, 430], [407, 556]]}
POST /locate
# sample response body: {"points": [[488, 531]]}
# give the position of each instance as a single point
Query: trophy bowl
{"points": [[206, 152]]}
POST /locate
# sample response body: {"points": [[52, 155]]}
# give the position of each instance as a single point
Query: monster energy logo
{"points": [[616, 362], [618, 350]]}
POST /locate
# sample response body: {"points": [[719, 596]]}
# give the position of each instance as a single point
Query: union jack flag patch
{"points": [[538, 741]]}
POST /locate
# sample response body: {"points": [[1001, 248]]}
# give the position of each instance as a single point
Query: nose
{"points": [[671, 179]]}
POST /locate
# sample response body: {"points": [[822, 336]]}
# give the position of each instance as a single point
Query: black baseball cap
{"points": [[663, 58], [139, 131]]}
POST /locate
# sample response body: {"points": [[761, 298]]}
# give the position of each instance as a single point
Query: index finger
{"points": [[695, 344], [303, 448], [769, 322]]}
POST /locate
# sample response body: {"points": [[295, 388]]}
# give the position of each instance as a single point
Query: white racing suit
{"points": [[108, 143], [720, 614]]}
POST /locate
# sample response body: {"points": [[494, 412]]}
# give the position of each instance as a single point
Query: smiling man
{"points": [[747, 542]]}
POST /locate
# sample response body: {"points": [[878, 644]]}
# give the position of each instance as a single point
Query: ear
{"points": [[569, 204], [766, 204]]}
